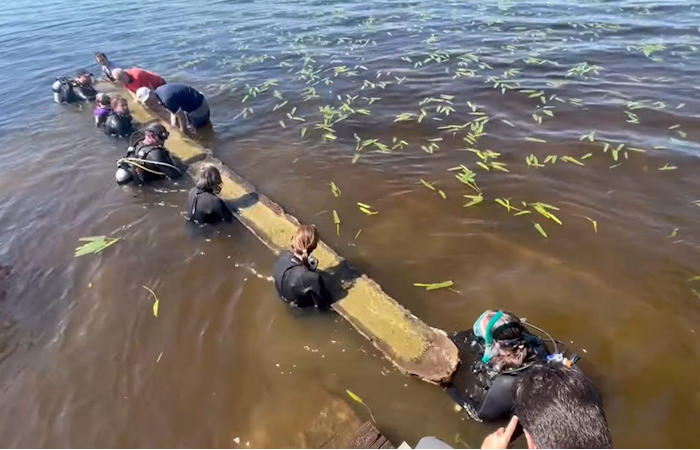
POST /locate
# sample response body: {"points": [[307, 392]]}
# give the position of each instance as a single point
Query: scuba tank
{"points": [[136, 162], [125, 172], [63, 90]]}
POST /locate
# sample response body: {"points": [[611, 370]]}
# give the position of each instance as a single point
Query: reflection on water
{"points": [[591, 107]]}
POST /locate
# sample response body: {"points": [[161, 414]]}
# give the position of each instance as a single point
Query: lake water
{"points": [[83, 361]]}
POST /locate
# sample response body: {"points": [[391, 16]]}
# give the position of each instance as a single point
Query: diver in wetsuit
{"points": [[203, 203], [296, 278], [72, 90], [494, 353], [147, 159], [119, 122]]}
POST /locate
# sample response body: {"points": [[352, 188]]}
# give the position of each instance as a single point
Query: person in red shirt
{"points": [[134, 78]]}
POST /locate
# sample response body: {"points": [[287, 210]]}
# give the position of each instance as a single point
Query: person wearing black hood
{"points": [[203, 203], [147, 159]]}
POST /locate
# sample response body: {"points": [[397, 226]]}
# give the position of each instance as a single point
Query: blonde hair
{"points": [[304, 242]]}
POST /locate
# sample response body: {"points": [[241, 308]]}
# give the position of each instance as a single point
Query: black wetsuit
{"points": [[119, 125], [487, 395], [152, 153], [69, 91], [299, 285], [207, 207]]}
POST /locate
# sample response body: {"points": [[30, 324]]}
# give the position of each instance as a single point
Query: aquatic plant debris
{"points": [[336, 221], [540, 230], [367, 209], [156, 302], [95, 244], [595, 224], [335, 190], [357, 399], [434, 286]]}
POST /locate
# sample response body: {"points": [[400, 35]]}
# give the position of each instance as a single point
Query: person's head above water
{"points": [[83, 77], [101, 58], [559, 407], [155, 134], [304, 242], [502, 333], [209, 179], [121, 75], [120, 105], [103, 100], [146, 96]]}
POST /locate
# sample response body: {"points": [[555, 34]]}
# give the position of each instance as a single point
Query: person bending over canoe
{"points": [[72, 90], [147, 159], [203, 203], [136, 78], [296, 278], [187, 106]]}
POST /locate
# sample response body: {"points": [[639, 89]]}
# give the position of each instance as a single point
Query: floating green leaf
{"points": [[543, 209], [336, 221], [434, 286], [367, 209], [595, 224], [532, 139], [572, 160], [540, 230], [428, 185], [474, 199], [357, 399], [667, 166], [335, 190], [155, 300], [95, 244]]}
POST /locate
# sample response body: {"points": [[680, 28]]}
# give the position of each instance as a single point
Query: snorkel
{"points": [[486, 333]]}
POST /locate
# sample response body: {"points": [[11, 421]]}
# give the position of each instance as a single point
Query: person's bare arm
{"points": [[183, 122], [501, 438]]}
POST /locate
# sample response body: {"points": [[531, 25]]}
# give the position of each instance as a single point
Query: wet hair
{"points": [[103, 99], [209, 179], [560, 408], [304, 242], [120, 101], [100, 55]]}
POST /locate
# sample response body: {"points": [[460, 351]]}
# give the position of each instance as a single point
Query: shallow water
{"points": [[83, 362]]}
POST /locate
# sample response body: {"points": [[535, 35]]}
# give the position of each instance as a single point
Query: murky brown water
{"points": [[83, 361]]}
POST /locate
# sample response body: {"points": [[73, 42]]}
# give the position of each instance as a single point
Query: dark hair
{"points": [[100, 55], [510, 330], [209, 179], [560, 408]]}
